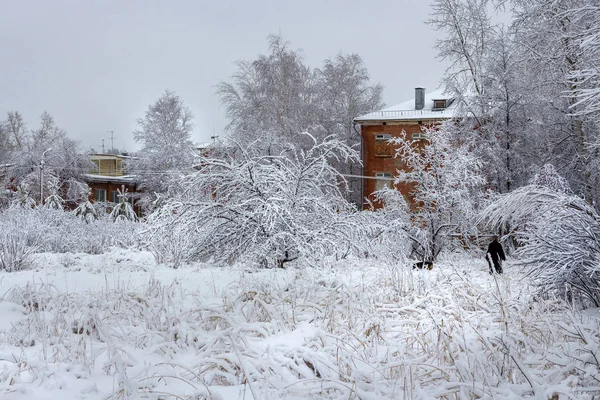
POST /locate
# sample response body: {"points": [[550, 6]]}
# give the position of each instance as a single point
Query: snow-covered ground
{"points": [[116, 325]]}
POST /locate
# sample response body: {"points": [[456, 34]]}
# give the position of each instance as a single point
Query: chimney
{"points": [[419, 98]]}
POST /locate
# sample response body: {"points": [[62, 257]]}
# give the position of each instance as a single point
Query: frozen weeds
{"points": [[116, 325]]}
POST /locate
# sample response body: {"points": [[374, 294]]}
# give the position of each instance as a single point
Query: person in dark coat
{"points": [[495, 254]]}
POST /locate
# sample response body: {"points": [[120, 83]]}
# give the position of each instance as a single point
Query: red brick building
{"points": [[377, 128]]}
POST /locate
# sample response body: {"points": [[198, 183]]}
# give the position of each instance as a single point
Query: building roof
{"points": [[104, 156], [126, 179], [406, 111]]}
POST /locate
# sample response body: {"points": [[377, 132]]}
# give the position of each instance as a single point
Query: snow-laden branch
{"points": [[559, 237]]}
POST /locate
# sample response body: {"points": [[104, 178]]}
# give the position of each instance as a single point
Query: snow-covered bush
{"points": [[86, 211], [390, 225], [23, 198], [123, 210], [447, 181], [560, 238], [49, 230], [54, 201], [549, 177], [15, 252], [169, 242], [267, 209]]}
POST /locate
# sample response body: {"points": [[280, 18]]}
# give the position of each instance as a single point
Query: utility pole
{"points": [[102, 146], [42, 176]]}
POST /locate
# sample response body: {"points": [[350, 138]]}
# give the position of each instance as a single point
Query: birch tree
{"points": [[276, 96], [45, 153], [270, 98], [345, 92], [551, 39], [167, 151]]}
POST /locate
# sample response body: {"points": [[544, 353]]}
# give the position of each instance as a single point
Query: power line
{"points": [[181, 172]]}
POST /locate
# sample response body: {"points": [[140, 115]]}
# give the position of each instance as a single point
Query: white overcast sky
{"points": [[95, 66]]}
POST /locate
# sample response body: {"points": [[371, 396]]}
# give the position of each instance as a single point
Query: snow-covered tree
{"points": [[54, 201], [86, 211], [12, 135], [446, 184], [167, 151], [467, 34], [559, 236], [550, 35], [548, 176], [23, 198], [485, 75], [344, 92], [45, 153], [268, 209], [587, 77], [123, 210], [270, 99]]}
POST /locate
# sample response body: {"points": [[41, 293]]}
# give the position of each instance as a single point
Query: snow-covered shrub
{"points": [[266, 209], [49, 230], [447, 186], [560, 237], [54, 201], [15, 252], [86, 211], [169, 242], [123, 210], [389, 225], [549, 177], [23, 198]]}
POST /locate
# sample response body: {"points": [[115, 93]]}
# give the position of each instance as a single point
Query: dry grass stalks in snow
{"points": [[356, 330]]}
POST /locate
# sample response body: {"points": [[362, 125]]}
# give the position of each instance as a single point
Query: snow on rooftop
{"points": [[407, 111], [107, 178]]}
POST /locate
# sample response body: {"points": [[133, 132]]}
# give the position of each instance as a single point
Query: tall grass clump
{"points": [[25, 231]]}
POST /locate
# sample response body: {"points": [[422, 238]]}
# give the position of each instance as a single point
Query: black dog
{"points": [[423, 265]]}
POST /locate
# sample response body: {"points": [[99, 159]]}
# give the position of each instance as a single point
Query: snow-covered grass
{"points": [[116, 325]]}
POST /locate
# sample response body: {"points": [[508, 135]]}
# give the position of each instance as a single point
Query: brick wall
{"points": [[378, 156]]}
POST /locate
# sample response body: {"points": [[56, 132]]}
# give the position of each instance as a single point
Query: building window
{"points": [[439, 105], [419, 136], [114, 196], [382, 147], [384, 179], [100, 195]]}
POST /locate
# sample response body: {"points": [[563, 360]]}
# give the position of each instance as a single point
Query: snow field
{"points": [[117, 326]]}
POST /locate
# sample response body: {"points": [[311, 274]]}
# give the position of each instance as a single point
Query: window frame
{"points": [[440, 104], [386, 181], [97, 197], [383, 136]]}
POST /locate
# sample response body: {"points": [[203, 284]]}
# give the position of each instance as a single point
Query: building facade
{"points": [[377, 128], [108, 177]]}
